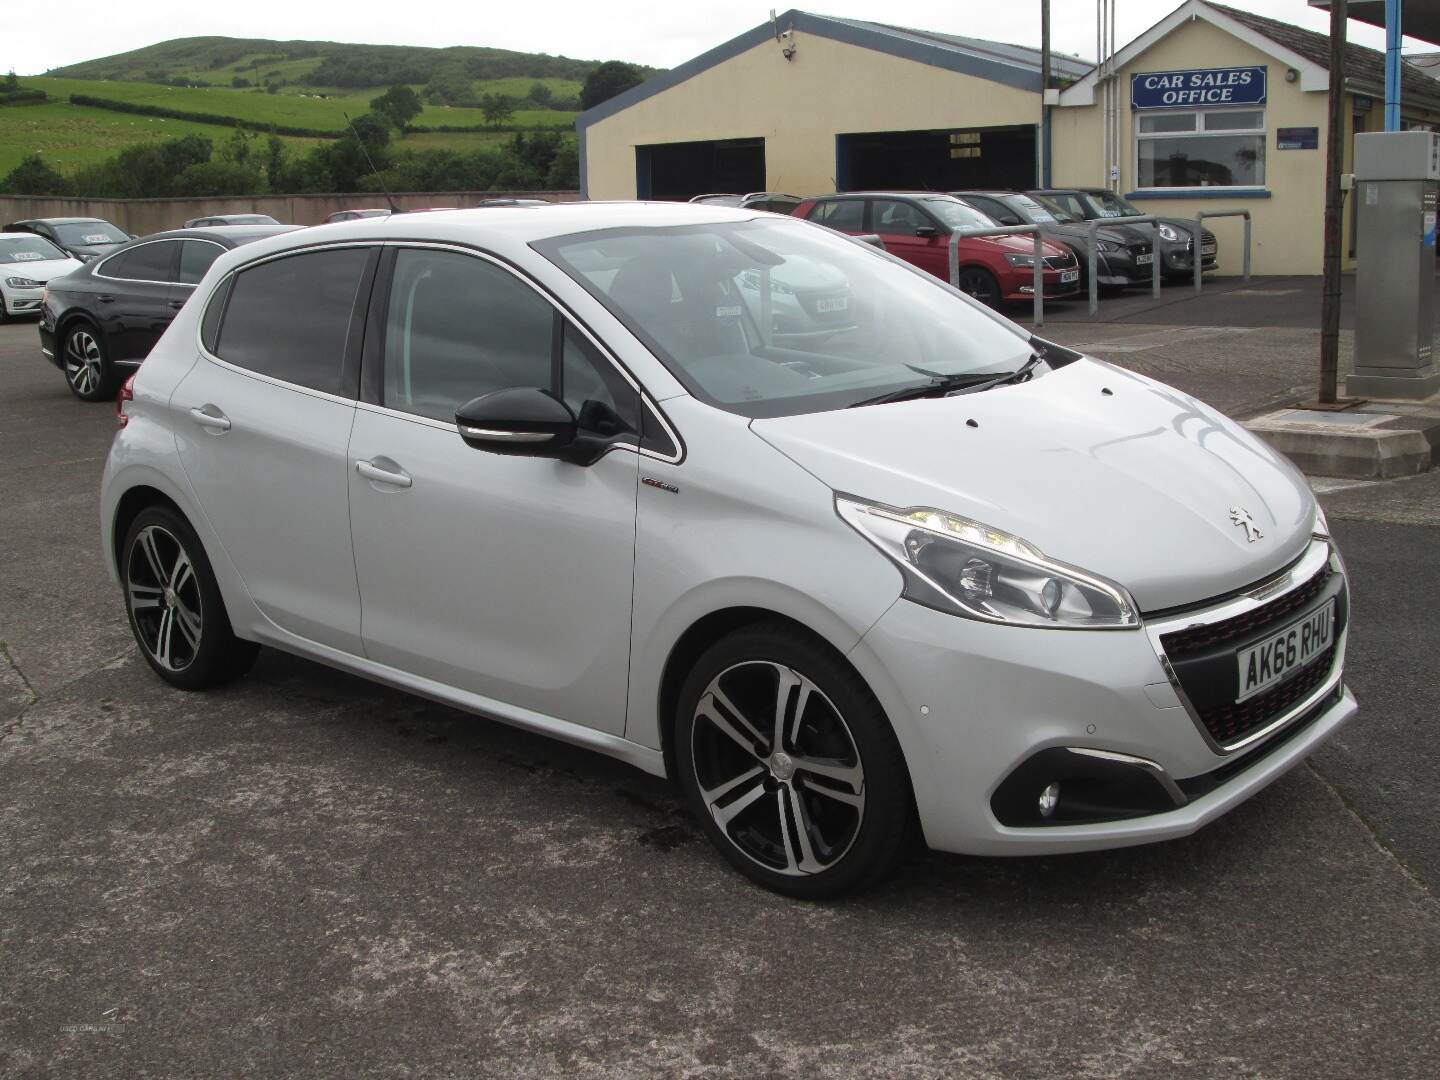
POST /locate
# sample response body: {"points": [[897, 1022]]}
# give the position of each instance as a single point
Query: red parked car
{"points": [[916, 226]]}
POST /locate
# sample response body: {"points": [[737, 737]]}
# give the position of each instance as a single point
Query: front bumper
{"points": [[973, 703], [49, 345]]}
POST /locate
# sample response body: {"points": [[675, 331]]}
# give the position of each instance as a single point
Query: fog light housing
{"points": [[1049, 800]]}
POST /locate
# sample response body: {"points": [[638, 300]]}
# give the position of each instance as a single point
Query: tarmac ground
{"points": [[308, 875]]}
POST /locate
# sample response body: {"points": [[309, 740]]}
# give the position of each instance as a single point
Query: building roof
{"points": [[1363, 66], [1010, 65]]}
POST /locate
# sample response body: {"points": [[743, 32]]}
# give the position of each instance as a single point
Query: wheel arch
{"points": [[128, 507]]}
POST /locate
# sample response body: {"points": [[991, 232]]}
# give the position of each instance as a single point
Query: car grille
{"points": [[1203, 660], [1061, 262], [1139, 249], [1229, 722]]}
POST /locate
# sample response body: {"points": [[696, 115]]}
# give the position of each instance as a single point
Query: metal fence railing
{"points": [[1093, 259], [1037, 258], [1197, 234]]}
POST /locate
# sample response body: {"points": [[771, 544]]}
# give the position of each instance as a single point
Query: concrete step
{"points": [[1373, 441]]}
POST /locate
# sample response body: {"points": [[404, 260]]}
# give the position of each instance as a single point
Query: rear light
{"points": [[127, 393]]}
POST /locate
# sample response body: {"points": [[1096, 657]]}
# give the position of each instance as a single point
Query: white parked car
{"points": [[548, 466], [27, 263]]}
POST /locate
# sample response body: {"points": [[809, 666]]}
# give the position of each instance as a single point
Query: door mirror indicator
{"points": [[522, 421], [926, 231]]}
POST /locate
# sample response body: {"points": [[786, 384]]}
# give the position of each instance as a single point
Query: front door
{"points": [[509, 577], [897, 222], [263, 432]]}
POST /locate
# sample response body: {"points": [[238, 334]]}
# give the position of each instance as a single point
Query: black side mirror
{"points": [[523, 421], [1011, 219], [927, 231]]}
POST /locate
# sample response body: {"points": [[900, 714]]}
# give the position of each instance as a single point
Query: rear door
{"points": [[137, 297], [262, 425], [509, 577]]}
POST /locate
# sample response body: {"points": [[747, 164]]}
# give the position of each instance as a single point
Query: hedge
{"points": [[198, 117], [23, 97]]}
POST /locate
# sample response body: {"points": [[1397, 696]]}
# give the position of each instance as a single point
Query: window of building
{"points": [[1205, 148]]}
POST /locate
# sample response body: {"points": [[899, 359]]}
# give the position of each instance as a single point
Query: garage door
{"points": [[681, 171], [947, 160]]}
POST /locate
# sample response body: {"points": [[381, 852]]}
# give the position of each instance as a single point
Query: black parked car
{"points": [[774, 201], [1176, 241], [104, 318], [85, 238], [1124, 254]]}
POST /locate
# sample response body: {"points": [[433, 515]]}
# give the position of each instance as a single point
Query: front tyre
{"points": [[174, 604], [981, 284], [87, 368], [790, 765]]}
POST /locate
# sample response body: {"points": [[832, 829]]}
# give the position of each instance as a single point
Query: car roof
{"points": [[61, 221], [231, 235], [888, 195]]}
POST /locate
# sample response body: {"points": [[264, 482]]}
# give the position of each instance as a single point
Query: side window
{"points": [[597, 394], [288, 318], [148, 262], [210, 322], [458, 327], [847, 215], [195, 258], [1070, 204], [890, 216]]}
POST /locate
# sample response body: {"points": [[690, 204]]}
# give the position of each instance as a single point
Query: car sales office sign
{"points": [[1201, 88]]}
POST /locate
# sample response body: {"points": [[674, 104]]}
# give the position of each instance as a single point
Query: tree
{"points": [[610, 78], [498, 109], [397, 106], [12, 82], [449, 88], [540, 95], [34, 177]]}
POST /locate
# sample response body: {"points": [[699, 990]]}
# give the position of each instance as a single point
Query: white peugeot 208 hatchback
{"points": [[559, 466]]}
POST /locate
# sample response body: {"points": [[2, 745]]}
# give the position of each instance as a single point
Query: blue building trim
{"points": [[1201, 193]]}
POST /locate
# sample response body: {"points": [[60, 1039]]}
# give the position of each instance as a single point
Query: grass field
{"points": [[70, 136], [285, 109]]}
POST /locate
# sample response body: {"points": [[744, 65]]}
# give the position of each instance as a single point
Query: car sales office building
{"points": [[1212, 108]]}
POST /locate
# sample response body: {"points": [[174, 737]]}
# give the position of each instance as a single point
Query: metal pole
{"points": [[1044, 86], [1039, 271], [1247, 246], [1334, 149], [1196, 258], [1155, 260], [1094, 268], [1393, 16]]}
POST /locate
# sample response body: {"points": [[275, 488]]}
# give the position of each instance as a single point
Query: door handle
{"points": [[210, 416], [396, 478], [105, 298]]}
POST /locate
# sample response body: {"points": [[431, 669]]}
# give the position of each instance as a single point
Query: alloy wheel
{"points": [[83, 362], [163, 593], [980, 285], [778, 768]]}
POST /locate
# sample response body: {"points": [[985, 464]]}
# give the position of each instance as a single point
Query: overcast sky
{"points": [[638, 30]]}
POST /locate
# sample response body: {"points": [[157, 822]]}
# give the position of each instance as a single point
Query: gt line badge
{"points": [[652, 482], [1241, 517]]}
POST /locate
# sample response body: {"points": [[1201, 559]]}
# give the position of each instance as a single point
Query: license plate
{"points": [[1285, 651], [1144, 260], [1067, 276], [1207, 249], [838, 303]]}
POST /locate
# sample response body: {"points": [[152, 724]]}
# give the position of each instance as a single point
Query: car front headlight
{"points": [[23, 283], [1322, 526], [1169, 232], [965, 568], [1020, 260], [1105, 245]]}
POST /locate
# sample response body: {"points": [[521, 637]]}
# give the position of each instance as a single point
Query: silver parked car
{"points": [[550, 467]]}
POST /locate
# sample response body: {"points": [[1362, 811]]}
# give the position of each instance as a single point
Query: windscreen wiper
{"points": [[944, 385]]}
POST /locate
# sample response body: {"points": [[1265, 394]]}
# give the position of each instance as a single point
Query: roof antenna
{"points": [[369, 161]]}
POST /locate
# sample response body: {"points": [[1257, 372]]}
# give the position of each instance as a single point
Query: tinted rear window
{"points": [[195, 258], [288, 318], [148, 262], [847, 215]]}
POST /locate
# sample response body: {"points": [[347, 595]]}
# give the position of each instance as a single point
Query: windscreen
{"points": [[90, 232], [1107, 204], [22, 249], [959, 215], [776, 317]]}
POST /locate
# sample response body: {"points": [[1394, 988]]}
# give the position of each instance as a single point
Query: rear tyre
{"points": [[174, 605], [978, 282], [790, 765], [87, 368]]}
